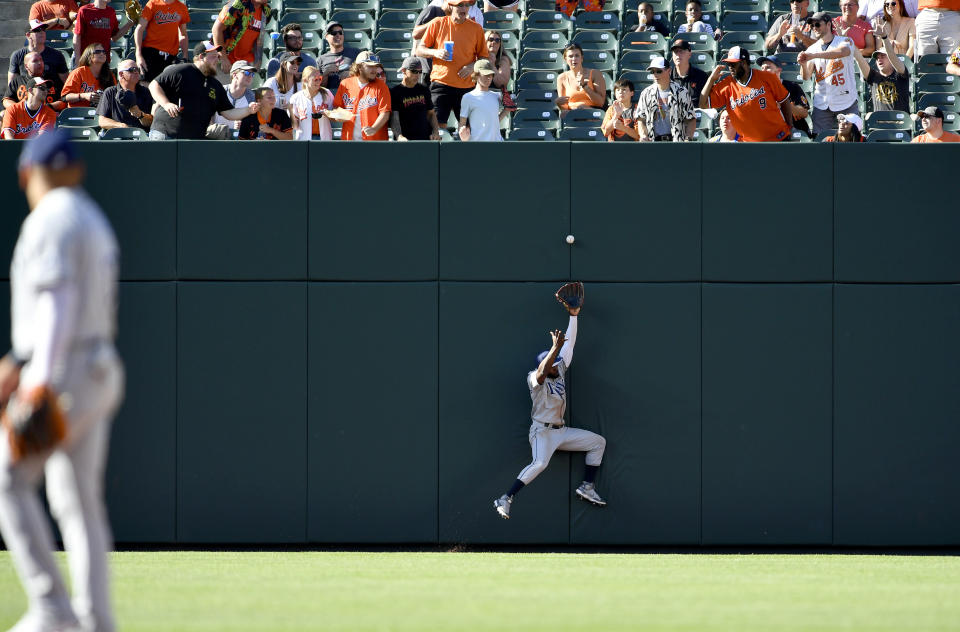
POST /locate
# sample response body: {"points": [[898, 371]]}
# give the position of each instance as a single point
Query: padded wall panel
{"points": [[490, 334], [896, 435], [636, 381], [635, 231], [142, 210], [241, 418], [242, 210], [369, 223], [504, 211], [767, 361], [141, 478], [372, 462], [903, 231], [14, 204], [767, 212]]}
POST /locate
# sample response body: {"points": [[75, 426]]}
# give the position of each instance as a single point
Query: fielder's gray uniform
{"points": [[63, 284], [548, 433]]}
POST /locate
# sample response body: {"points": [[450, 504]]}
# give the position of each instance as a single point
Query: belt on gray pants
{"points": [[554, 426]]}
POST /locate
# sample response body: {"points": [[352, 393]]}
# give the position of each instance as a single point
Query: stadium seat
{"points": [[889, 136], [746, 22], [402, 5], [597, 21], [502, 21], [358, 39], [531, 134], [746, 6], [80, 133], [709, 6], [309, 20], [601, 60], [532, 98], [370, 6], [659, 6], [613, 6], [637, 60], [539, 5], [703, 60], [582, 133], [321, 6], [932, 62], [631, 19], [941, 100], [354, 21], [509, 41], [584, 117], [541, 60], [647, 40], [753, 42], [123, 133], [937, 82], [710, 19], [698, 41], [541, 118], [397, 20], [548, 21], [892, 119], [393, 38], [640, 78], [537, 80], [78, 117], [596, 40], [797, 136], [824, 134], [543, 40], [60, 40]]}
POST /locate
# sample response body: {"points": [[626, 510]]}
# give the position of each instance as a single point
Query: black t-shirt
{"points": [[110, 105], [250, 125], [199, 97], [693, 82], [53, 65], [797, 97], [19, 88], [889, 93], [412, 105]]}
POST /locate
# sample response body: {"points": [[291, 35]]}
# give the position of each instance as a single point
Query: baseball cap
{"points": [[241, 65], [205, 47], [366, 57], [544, 354], [331, 25], [52, 149], [287, 56], [39, 81], [932, 110], [456, 3], [851, 118], [819, 16], [770, 58], [657, 62], [735, 54], [412, 63], [484, 67], [36, 28], [681, 44], [126, 98]]}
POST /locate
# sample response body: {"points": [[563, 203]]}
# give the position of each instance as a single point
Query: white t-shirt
{"points": [[283, 98], [242, 101], [482, 111], [302, 109], [65, 240], [836, 86]]}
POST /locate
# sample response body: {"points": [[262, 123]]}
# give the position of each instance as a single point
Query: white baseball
{"points": [[570, 239]]}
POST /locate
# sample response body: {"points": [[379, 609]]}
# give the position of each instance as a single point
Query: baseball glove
{"points": [[571, 296], [34, 422], [133, 10]]}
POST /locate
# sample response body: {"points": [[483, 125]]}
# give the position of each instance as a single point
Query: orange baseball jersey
{"points": [[369, 101], [163, 25], [754, 106], [26, 124], [48, 9], [468, 47], [80, 80], [947, 137]]}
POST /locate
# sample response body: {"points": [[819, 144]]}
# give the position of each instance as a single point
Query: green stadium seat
{"points": [[746, 22], [537, 80], [533, 98], [746, 6], [321, 6], [647, 40], [937, 82], [509, 41], [942, 100], [601, 60], [539, 5], [892, 119], [597, 21], [698, 41], [753, 42], [543, 40], [393, 38], [370, 6], [397, 20], [637, 60], [889, 136], [548, 21], [541, 60], [596, 40], [78, 117], [354, 21], [531, 134], [360, 40], [582, 133], [402, 5], [709, 6], [503, 21], [932, 62], [584, 117], [123, 133], [308, 20], [80, 133], [541, 118]]}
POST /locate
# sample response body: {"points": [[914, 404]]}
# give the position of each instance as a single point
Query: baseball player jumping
{"points": [[548, 433], [63, 284]]}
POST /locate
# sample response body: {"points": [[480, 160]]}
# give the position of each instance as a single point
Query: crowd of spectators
{"points": [[457, 72]]}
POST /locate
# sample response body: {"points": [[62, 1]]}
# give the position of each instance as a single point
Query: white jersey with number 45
{"points": [[836, 85]]}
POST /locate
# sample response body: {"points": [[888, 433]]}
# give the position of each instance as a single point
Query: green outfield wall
{"points": [[327, 342]]}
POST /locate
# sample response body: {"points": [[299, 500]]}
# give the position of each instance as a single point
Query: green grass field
{"points": [[353, 591]]}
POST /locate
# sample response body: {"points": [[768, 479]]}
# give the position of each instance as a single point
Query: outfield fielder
{"points": [[548, 433], [63, 284]]}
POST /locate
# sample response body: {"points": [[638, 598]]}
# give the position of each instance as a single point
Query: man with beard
{"points": [[367, 97], [189, 95], [756, 101], [22, 85], [829, 61], [293, 42]]}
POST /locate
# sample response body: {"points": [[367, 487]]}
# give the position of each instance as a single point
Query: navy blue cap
{"points": [[544, 354], [52, 149]]}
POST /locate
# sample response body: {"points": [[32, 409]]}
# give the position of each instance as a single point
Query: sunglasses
{"points": [[817, 24], [891, 4], [335, 33], [99, 51], [493, 39], [133, 70], [657, 71], [416, 72]]}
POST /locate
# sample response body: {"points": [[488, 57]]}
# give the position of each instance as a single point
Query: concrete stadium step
{"points": [[13, 22]]}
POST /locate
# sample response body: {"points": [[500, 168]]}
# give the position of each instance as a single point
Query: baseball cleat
{"points": [[502, 505], [587, 492]]}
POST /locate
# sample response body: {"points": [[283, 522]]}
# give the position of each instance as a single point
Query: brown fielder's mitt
{"points": [[571, 296], [34, 422], [133, 10]]}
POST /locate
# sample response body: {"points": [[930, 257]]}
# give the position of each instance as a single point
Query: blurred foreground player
{"points": [[548, 433], [63, 284]]}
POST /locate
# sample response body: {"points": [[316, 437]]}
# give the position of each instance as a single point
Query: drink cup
{"points": [[448, 47]]}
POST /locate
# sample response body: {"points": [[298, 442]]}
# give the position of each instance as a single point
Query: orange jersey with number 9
{"points": [[753, 106]]}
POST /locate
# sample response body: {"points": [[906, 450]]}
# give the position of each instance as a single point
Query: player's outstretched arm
{"points": [[547, 362]]}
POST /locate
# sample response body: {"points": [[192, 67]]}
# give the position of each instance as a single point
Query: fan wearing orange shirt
{"points": [[756, 101], [450, 78], [931, 119], [54, 14], [367, 97], [31, 116], [89, 79], [161, 33]]}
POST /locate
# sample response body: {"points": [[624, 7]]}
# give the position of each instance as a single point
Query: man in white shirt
{"points": [[238, 91], [830, 61]]}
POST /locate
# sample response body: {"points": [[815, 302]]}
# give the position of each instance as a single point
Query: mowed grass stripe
{"points": [[353, 591]]}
